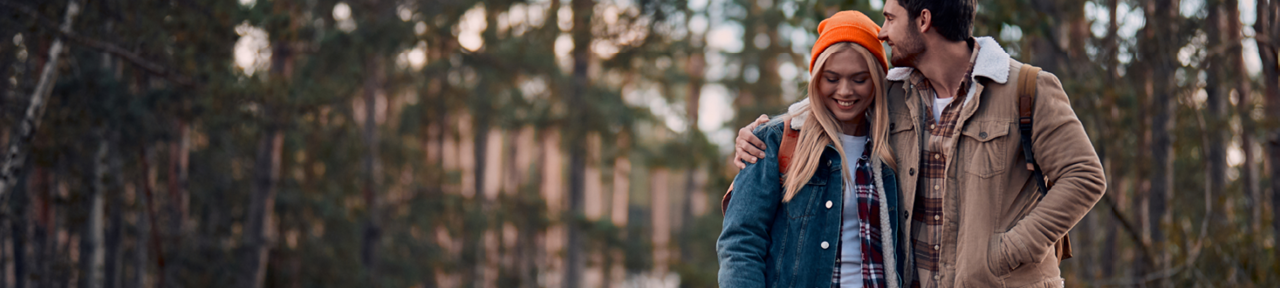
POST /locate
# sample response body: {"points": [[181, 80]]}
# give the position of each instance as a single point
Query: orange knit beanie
{"points": [[849, 26]]}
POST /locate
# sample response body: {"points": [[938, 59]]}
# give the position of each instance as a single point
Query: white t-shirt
{"points": [[939, 104], [850, 235]]}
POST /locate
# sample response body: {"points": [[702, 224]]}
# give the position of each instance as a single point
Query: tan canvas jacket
{"points": [[996, 234]]}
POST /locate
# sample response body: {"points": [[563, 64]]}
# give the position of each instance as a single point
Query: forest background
{"points": [[550, 143]]}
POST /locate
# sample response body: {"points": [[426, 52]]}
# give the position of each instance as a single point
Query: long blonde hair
{"points": [[821, 128]]}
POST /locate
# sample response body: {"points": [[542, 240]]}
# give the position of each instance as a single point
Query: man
{"points": [[977, 217]]}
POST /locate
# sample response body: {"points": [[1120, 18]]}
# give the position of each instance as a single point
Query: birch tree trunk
{"points": [[18, 143], [92, 250]]}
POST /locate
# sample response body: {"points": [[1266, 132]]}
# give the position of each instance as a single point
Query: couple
{"points": [[914, 176]]}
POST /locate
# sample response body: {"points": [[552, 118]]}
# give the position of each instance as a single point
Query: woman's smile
{"points": [[845, 105]]}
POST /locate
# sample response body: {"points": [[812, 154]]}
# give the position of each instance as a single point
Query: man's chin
{"points": [[901, 62]]}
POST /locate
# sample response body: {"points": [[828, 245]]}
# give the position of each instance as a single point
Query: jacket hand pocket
{"points": [[1000, 259]]}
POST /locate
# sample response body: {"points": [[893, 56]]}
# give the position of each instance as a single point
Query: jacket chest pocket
{"points": [[986, 146], [802, 204], [902, 134]]}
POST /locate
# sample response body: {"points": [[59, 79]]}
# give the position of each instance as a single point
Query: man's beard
{"points": [[907, 50]]}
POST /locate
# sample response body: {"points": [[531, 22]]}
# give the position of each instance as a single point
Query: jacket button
{"points": [[828, 204], [828, 162], [982, 135], [912, 171], [825, 245]]}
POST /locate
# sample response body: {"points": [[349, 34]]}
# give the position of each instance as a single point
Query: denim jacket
{"points": [[767, 243]]}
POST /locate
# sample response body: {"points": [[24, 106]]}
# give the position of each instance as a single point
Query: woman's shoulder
{"points": [[771, 132]]}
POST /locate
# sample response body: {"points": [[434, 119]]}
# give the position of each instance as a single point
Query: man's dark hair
{"points": [[953, 19]]}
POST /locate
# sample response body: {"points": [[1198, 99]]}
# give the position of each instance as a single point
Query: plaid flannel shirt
{"points": [[868, 229], [927, 215]]}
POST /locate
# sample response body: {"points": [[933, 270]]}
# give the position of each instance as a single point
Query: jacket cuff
{"points": [[1023, 251]]}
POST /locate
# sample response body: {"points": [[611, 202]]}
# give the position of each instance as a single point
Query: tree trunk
{"points": [[139, 276], [582, 13], [92, 250], [695, 71], [1159, 49], [21, 138], [1244, 91], [1218, 89], [156, 245], [372, 229], [114, 264], [1112, 226], [45, 229], [20, 225], [259, 234], [179, 155], [1267, 29]]}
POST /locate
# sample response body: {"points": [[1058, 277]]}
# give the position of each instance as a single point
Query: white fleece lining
{"points": [[886, 233], [795, 109]]}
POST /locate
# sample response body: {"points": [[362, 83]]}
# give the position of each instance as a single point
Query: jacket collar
{"points": [[992, 63], [795, 109]]}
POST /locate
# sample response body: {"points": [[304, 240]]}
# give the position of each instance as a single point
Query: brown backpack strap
{"points": [[788, 147], [1027, 77], [1026, 105], [785, 150]]}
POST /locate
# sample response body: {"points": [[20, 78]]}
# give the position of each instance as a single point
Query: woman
{"points": [[788, 231]]}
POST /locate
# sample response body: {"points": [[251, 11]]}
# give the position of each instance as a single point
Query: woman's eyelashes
{"points": [[855, 80]]}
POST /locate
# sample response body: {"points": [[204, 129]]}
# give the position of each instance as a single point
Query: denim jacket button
{"points": [[828, 204], [825, 245]]}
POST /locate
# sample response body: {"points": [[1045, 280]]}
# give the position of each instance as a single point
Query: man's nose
{"points": [[884, 34]]}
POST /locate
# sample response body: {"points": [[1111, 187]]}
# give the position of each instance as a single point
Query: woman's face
{"points": [[845, 86]]}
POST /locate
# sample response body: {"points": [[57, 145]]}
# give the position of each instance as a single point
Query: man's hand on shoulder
{"points": [[747, 147]]}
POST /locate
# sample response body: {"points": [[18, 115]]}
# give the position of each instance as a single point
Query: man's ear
{"points": [[924, 21]]}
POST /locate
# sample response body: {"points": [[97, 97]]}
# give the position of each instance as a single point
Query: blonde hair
{"points": [[822, 128]]}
